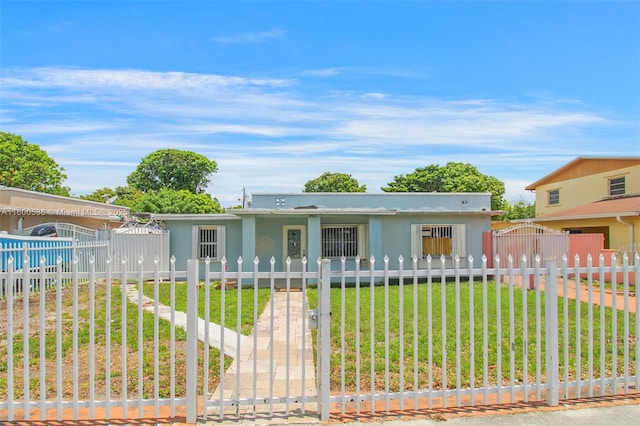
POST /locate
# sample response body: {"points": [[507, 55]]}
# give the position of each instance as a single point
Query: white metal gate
{"points": [[130, 245], [273, 366]]}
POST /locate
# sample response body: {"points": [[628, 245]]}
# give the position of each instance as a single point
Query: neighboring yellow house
{"points": [[20, 208], [593, 195]]}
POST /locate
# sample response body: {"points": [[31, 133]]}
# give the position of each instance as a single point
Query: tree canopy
{"points": [[173, 169], [122, 196], [519, 210], [165, 181], [100, 195], [27, 166], [171, 201], [334, 182], [163, 201], [452, 177]]}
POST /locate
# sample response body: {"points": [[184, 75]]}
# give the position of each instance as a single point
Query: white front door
{"points": [[294, 246]]}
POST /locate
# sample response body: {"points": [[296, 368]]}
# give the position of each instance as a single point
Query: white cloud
{"points": [[257, 37], [373, 71], [271, 135], [102, 80], [325, 72]]}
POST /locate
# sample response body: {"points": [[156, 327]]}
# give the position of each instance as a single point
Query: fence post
{"points": [[551, 330], [192, 341], [324, 344]]}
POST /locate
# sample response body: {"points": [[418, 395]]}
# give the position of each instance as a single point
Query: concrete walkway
{"points": [[164, 312], [276, 373], [574, 289]]}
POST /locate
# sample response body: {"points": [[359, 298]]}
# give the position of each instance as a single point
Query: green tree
{"points": [[171, 201], [122, 196], [452, 177], [27, 166], [173, 169], [100, 195], [334, 182], [519, 210]]}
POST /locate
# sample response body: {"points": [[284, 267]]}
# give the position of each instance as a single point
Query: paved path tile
{"points": [[284, 358]]}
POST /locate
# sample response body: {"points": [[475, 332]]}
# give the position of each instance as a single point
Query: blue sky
{"points": [[279, 92]]}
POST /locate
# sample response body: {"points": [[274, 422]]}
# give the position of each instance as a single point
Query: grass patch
{"points": [[439, 325], [608, 285], [230, 305], [99, 358]]}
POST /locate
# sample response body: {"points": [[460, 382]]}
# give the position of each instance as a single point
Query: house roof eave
{"points": [[306, 212], [585, 216], [29, 211], [543, 180], [45, 195], [451, 212], [371, 212], [194, 216]]}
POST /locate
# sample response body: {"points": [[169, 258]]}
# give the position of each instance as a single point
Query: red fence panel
{"points": [[487, 248], [584, 245]]}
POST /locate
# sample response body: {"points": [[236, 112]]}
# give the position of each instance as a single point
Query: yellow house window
{"points": [[553, 197], [617, 186]]}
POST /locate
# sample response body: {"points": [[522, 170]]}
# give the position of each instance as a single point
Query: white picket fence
{"points": [[28, 257], [475, 335], [125, 246], [464, 331]]}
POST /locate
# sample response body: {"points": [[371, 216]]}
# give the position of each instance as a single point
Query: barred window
{"points": [[554, 197], [617, 186], [209, 242], [438, 240], [340, 240]]}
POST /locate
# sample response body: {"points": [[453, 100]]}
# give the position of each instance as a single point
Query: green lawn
{"points": [[100, 336], [455, 322], [231, 302]]}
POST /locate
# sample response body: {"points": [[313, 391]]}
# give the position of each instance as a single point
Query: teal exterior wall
{"points": [[269, 240], [248, 242], [388, 218], [181, 240], [314, 247], [376, 238], [397, 236], [400, 201]]}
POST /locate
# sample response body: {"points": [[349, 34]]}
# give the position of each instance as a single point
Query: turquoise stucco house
{"points": [[333, 225]]}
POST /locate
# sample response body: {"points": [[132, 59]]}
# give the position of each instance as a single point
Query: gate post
{"points": [[324, 344], [192, 341], [551, 330]]}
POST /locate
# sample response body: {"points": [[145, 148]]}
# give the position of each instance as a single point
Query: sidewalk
{"points": [[621, 415], [615, 410], [575, 290], [623, 410]]}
